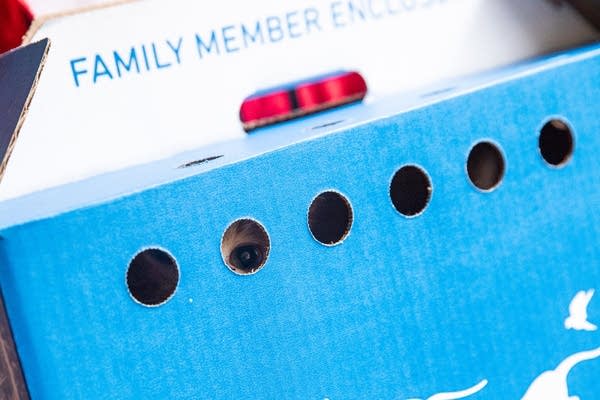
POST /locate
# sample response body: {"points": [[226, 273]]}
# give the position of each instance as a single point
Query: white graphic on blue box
{"points": [[578, 316], [459, 394], [552, 384]]}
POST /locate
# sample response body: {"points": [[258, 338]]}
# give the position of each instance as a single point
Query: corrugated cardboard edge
{"points": [[12, 381], [24, 110], [38, 22]]}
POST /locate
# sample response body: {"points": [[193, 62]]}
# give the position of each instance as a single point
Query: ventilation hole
{"points": [[328, 124], [199, 162], [410, 190], [556, 142], [330, 218], [485, 166], [152, 277], [439, 91], [245, 246]]}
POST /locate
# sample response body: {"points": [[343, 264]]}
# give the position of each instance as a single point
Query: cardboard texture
{"points": [[484, 294], [175, 73], [12, 383], [20, 70]]}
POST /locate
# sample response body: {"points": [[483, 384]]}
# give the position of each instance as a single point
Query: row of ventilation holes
{"points": [[153, 274]]}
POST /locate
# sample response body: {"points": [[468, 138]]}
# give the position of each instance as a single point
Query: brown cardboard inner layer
{"points": [[12, 382]]}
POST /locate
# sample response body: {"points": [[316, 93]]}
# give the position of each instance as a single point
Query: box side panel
{"points": [[475, 289]]}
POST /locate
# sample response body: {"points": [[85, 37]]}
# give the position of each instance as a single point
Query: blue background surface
{"points": [[476, 287]]}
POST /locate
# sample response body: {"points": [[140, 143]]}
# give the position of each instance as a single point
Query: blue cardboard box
{"points": [[436, 245]]}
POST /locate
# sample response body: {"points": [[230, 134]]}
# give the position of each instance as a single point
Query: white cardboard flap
{"points": [[143, 80]]}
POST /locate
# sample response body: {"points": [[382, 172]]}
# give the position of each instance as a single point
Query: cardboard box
{"points": [[481, 290], [140, 81]]}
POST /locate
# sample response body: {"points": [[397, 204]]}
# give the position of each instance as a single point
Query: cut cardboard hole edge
{"points": [[410, 190], [245, 246], [556, 142], [486, 165], [152, 276], [330, 217]]}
